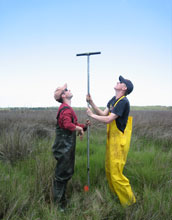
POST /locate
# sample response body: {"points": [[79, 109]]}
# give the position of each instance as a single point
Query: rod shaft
{"points": [[88, 153], [88, 129], [88, 54], [88, 92]]}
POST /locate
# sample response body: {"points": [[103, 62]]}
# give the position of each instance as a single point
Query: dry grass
{"points": [[156, 125], [19, 127], [27, 168]]}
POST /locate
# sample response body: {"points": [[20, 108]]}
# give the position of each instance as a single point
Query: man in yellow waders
{"points": [[119, 129]]}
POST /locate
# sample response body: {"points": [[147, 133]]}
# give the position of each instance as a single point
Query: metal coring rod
{"points": [[86, 188]]}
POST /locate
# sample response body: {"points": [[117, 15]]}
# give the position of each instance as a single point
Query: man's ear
{"points": [[62, 95], [124, 88]]}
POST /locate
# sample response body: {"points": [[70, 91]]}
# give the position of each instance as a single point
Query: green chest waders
{"points": [[117, 148], [64, 152]]}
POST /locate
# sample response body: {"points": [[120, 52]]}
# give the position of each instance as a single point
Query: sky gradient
{"points": [[39, 41]]}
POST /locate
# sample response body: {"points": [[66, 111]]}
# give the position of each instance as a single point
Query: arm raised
{"points": [[105, 119]]}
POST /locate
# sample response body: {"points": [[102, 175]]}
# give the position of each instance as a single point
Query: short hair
{"points": [[60, 100]]}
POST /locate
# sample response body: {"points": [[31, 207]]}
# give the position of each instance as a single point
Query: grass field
{"points": [[27, 168]]}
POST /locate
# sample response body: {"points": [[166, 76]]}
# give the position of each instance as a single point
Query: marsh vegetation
{"points": [[27, 168]]}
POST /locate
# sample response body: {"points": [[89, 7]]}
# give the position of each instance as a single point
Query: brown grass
{"points": [[19, 127], [152, 124]]}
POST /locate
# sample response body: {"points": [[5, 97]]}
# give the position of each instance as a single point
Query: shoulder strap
{"points": [[118, 100], [65, 107]]}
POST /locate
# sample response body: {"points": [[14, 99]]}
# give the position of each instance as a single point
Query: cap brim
{"points": [[121, 79]]}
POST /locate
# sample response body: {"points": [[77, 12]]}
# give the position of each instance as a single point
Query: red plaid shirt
{"points": [[67, 118]]}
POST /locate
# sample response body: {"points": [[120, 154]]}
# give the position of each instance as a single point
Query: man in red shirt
{"points": [[65, 142]]}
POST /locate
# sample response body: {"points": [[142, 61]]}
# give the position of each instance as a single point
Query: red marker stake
{"points": [[86, 188]]}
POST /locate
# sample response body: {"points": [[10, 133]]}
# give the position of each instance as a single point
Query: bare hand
{"points": [[89, 112], [81, 137], [80, 133], [88, 123]]}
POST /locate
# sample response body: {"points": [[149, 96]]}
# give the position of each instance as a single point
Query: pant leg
{"points": [[59, 190], [63, 173], [121, 185], [64, 170], [118, 146], [107, 167]]}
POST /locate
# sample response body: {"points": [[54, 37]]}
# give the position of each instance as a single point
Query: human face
{"points": [[120, 86], [67, 93]]}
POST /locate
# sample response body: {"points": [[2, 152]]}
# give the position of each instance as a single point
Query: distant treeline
{"points": [[149, 108]]}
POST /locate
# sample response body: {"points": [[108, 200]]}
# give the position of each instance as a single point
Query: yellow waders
{"points": [[117, 148]]}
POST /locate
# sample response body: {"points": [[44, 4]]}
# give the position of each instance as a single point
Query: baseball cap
{"points": [[128, 83]]}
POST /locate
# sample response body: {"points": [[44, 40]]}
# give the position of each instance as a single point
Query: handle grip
{"points": [[88, 54]]}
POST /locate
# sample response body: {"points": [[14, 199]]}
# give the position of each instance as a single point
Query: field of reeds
{"points": [[27, 169]]}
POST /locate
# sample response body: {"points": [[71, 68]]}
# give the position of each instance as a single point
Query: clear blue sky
{"points": [[39, 40]]}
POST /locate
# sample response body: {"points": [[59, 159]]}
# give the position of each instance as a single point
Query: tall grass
{"points": [[27, 169]]}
